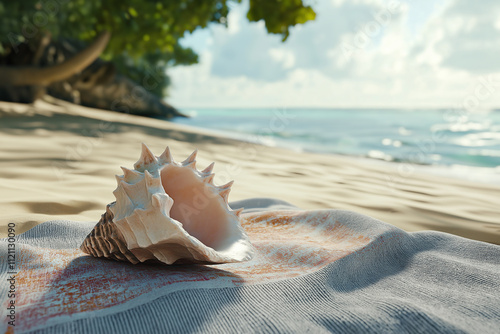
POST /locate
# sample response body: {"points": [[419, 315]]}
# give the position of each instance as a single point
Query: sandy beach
{"points": [[58, 161]]}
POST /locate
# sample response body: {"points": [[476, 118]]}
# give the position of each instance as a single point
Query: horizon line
{"points": [[496, 108]]}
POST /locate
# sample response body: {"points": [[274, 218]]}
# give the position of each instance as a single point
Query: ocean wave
{"points": [[478, 139], [461, 127], [388, 135]]}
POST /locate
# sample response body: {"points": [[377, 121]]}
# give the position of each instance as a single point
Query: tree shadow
{"points": [[81, 125]]}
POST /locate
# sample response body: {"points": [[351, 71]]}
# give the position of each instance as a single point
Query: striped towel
{"points": [[315, 271]]}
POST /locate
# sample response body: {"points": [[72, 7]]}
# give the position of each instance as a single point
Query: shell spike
{"points": [[147, 158], [191, 158], [209, 169], [209, 179], [166, 156], [130, 175], [227, 185], [225, 193], [119, 179]]}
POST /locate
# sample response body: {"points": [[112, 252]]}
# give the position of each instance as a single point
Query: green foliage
{"points": [[145, 33], [154, 63], [280, 15]]}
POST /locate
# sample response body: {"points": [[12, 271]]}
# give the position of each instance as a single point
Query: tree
{"points": [[145, 33]]}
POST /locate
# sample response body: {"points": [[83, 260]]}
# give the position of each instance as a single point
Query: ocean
{"points": [[458, 140]]}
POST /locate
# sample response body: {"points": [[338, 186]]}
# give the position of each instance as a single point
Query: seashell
{"points": [[169, 212]]}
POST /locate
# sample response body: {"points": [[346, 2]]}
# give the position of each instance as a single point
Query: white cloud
{"points": [[407, 58], [466, 37], [283, 56]]}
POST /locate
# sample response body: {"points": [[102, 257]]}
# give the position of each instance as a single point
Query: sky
{"points": [[356, 54]]}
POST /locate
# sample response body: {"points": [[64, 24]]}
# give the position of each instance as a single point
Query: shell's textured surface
{"points": [[168, 211]]}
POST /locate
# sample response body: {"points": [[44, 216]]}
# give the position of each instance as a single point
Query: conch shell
{"points": [[169, 212]]}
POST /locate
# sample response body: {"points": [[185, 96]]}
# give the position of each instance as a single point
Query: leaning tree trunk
{"points": [[67, 70], [27, 82]]}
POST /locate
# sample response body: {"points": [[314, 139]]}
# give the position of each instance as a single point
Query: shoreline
{"points": [[61, 162]]}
